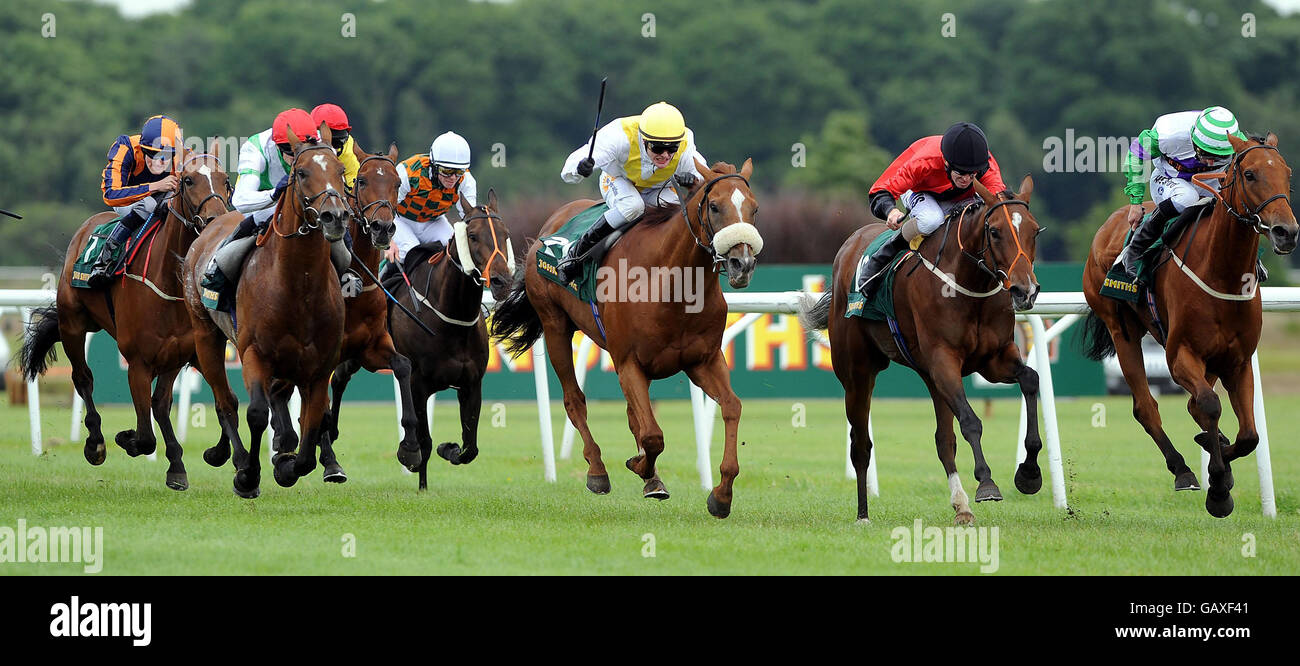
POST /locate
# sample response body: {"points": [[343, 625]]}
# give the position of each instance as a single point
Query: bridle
{"points": [[193, 221], [365, 214], [1252, 217], [1002, 276], [706, 222], [311, 215], [484, 277]]}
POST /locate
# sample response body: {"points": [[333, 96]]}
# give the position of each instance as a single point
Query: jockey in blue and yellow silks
{"points": [[639, 159], [138, 166]]}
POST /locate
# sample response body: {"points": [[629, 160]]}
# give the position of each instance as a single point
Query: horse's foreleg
{"points": [[1188, 369], [945, 377], [384, 355], [332, 471], [945, 443], [559, 349], [471, 405], [162, 414], [1145, 408], [714, 379], [141, 440], [650, 437], [1008, 368], [654, 486], [420, 394], [1241, 394], [209, 348], [285, 439], [315, 398], [74, 345]]}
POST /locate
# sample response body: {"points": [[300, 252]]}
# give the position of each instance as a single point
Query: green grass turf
{"points": [[794, 509]]}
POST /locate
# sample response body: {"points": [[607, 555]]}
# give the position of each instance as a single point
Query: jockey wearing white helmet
{"points": [[430, 185]]}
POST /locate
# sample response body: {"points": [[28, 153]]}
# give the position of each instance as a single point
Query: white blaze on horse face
{"points": [[320, 162], [1015, 220], [738, 199], [207, 173]]}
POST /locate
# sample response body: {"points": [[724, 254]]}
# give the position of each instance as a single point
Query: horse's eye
{"points": [[301, 173], [713, 208], [361, 182], [188, 181], [473, 237], [995, 234], [1250, 175]]}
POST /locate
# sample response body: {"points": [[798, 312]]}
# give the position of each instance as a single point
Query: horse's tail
{"points": [[38, 342], [515, 320], [814, 313], [1097, 343]]}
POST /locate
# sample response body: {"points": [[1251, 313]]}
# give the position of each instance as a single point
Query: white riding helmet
{"points": [[450, 150]]}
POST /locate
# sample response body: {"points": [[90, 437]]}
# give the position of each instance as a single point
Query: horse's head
{"points": [[316, 179], [1010, 242], [205, 190], [374, 194], [483, 247], [1258, 178], [724, 207]]}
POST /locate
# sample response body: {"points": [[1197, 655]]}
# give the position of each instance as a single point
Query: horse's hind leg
{"points": [[654, 486], [559, 348], [420, 396], [1241, 394], [385, 356], [162, 413], [857, 408], [141, 440], [470, 397], [331, 471], [1128, 350], [1188, 369], [714, 379], [1007, 368], [74, 345], [209, 347], [945, 441]]}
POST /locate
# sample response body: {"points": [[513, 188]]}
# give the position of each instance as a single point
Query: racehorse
{"points": [[975, 286], [289, 313], [1209, 320], [650, 340], [446, 292], [143, 312]]}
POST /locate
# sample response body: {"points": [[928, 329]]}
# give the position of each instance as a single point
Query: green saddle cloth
{"points": [[556, 245], [1117, 285], [90, 252], [881, 306]]}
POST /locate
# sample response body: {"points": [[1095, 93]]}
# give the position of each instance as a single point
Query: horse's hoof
{"points": [[654, 489], [1219, 508], [598, 484], [245, 487], [863, 521], [178, 481], [334, 474], [126, 440], [216, 456], [1203, 439], [409, 458], [247, 494], [964, 518], [988, 492], [283, 466], [1028, 480], [95, 453], [717, 508], [1186, 481], [467, 456], [449, 451]]}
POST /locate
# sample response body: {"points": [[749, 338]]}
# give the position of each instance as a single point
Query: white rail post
{"points": [[33, 397], [1048, 395], [1262, 457], [873, 486], [544, 410], [700, 406], [183, 386]]}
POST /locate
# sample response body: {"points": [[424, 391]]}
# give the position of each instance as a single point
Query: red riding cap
{"points": [[331, 115], [296, 119]]}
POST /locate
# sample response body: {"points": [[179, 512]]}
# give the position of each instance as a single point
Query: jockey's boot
{"points": [[879, 261], [102, 270], [1149, 229], [213, 277], [570, 267]]}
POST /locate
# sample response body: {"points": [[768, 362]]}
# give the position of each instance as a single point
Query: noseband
{"points": [[996, 273], [706, 222], [1251, 218]]}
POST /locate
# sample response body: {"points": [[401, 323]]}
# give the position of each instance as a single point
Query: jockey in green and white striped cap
{"points": [[1210, 133]]}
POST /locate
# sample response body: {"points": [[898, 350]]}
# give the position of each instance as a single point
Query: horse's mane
{"points": [[659, 214]]}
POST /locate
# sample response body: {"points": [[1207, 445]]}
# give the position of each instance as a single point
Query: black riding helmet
{"points": [[965, 148]]}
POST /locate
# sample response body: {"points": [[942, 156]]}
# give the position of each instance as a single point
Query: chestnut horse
{"points": [[1212, 319], [975, 286], [289, 313], [143, 312], [650, 340], [446, 292]]}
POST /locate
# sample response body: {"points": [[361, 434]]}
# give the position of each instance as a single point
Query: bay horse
{"points": [[289, 313], [649, 340], [954, 319], [143, 311], [446, 292], [1210, 313]]}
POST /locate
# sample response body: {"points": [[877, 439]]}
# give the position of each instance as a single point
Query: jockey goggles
{"points": [[338, 139], [661, 147], [450, 172], [162, 155]]}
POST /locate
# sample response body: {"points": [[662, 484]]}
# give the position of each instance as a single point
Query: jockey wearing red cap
{"points": [[138, 166], [340, 138], [935, 175]]}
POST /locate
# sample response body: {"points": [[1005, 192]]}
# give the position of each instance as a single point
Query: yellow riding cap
{"points": [[662, 121]]}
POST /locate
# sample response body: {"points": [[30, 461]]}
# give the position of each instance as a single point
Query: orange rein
{"points": [[1015, 234]]}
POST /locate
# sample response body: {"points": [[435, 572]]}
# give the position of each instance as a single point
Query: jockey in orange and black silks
{"points": [[139, 166]]}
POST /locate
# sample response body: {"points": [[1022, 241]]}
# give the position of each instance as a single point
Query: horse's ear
{"points": [[465, 208], [988, 197], [1238, 145], [358, 152], [324, 131], [1271, 140], [392, 151], [213, 145], [492, 199], [294, 141], [703, 170], [1026, 188], [747, 169]]}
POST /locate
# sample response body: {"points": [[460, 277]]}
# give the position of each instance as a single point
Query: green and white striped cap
{"points": [[1212, 129]]}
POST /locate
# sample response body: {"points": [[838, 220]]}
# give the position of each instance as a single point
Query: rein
{"points": [[1003, 277], [480, 277], [311, 216], [1234, 169]]}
